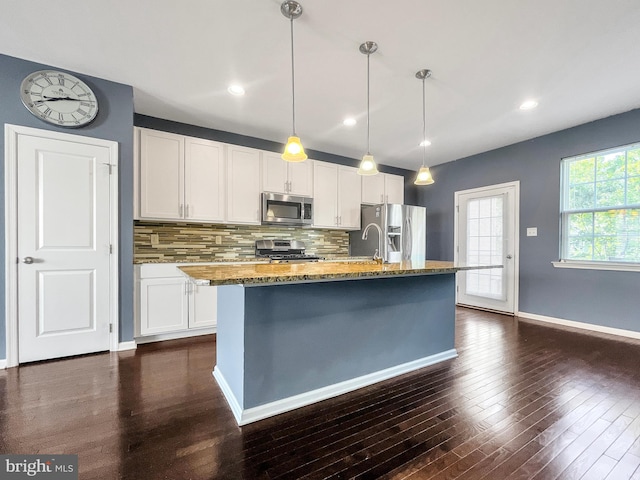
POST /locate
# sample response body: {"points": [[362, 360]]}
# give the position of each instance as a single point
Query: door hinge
{"points": [[458, 208], [457, 288], [110, 168], [111, 328], [110, 249]]}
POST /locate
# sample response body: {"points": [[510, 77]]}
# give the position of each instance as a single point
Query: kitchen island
{"points": [[294, 334]]}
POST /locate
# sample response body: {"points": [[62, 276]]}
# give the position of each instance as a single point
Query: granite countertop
{"points": [[252, 259], [252, 274]]}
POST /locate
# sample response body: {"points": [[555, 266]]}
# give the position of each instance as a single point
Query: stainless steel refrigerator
{"points": [[403, 230]]}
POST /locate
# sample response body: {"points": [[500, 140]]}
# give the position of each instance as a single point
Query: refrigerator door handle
{"points": [[409, 237]]}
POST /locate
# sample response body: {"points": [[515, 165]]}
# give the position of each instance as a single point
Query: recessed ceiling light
{"points": [[236, 90], [528, 105], [349, 121], [425, 143]]}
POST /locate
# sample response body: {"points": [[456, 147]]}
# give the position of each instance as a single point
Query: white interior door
{"points": [[63, 248], [486, 233]]}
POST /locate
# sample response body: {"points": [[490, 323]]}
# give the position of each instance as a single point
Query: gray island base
{"points": [[284, 346]]}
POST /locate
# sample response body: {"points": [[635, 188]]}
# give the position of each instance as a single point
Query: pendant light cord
{"points": [[293, 83], [368, 94], [424, 122]]}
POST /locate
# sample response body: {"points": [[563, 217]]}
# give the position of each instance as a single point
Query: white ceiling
{"points": [[579, 58]]}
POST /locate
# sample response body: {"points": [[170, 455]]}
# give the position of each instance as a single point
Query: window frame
{"points": [[565, 262]]}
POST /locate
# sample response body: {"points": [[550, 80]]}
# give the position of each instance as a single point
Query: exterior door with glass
{"points": [[486, 233]]}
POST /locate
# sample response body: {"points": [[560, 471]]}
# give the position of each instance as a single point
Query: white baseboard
{"points": [[160, 337], [271, 409], [236, 409], [3, 364], [580, 325], [122, 346]]}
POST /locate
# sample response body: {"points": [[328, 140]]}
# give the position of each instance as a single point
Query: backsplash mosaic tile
{"points": [[170, 242]]}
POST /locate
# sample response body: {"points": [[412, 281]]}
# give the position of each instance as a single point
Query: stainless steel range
{"points": [[284, 251]]}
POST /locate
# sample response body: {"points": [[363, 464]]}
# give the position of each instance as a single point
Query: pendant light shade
{"points": [[368, 164], [424, 175], [293, 151]]}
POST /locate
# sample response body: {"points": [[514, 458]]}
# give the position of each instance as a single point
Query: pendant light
{"points": [[293, 150], [424, 175], [368, 164]]}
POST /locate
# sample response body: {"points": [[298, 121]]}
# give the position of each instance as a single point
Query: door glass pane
{"points": [[485, 240]]}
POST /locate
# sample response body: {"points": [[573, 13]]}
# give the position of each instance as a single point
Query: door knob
{"points": [[509, 257], [27, 260]]}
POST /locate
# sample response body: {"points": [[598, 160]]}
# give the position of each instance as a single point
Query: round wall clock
{"points": [[59, 98]]}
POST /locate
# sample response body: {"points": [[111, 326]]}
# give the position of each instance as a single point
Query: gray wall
{"points": [[114, 122], [598, 297]]}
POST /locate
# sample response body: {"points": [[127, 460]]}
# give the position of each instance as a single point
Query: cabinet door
{"points": [[274, 173], [301, 178], [325, 198], [161, 175], [204, 180], [163, 305], [373, 189], [243, 185], [349, 196], [203, 305], [394, 188]]}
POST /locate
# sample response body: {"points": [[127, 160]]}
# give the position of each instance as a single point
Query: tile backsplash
{"points": [[188, 242]]}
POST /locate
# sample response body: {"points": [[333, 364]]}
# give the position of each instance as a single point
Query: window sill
{"points": [[620, 267]]}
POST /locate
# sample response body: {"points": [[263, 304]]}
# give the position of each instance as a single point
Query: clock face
{"points": [[59, 98]]}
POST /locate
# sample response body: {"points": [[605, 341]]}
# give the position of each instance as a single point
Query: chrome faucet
{"points": [[377, 256]]}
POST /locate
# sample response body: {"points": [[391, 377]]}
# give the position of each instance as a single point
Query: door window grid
{"points": [[485, 240]]}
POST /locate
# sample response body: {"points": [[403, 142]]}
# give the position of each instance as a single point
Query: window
{"points": [[600, 206]]}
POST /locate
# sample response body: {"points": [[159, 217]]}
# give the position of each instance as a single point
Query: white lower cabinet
{"points": [[168, 303]]}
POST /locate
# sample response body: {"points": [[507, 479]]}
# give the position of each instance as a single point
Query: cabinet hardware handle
{"points": [[181, 210], [186, 215]]}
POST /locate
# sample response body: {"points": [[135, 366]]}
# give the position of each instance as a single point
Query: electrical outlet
{"points": [[155, 239], [532, 232], [218, 240]]}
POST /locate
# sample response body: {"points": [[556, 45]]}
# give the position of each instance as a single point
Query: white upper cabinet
{"points": [[279, 176], [161, 175], [337, 193], [382, 188], [243, 185], [325, 199], [180, 178], [349, 195], [204, 185]]}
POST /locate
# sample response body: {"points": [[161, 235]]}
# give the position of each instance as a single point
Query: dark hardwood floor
{"points": [[522, 401]]}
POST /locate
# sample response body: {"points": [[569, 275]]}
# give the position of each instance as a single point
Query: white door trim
{"points": [[12, 132], [516, 227]]}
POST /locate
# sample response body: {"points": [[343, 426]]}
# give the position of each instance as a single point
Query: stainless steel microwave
{"points": [[278, 209]]}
